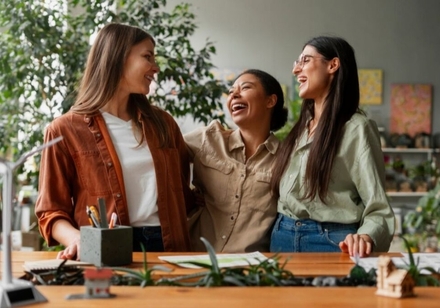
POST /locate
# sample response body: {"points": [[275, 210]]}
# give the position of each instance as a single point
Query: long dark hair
{"points": [[340, 104], [103, 72]]}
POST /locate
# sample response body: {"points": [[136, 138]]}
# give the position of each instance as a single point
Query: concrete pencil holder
{"points": [[107, 247]]}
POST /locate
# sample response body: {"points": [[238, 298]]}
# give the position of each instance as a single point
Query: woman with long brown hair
{"points": [[117, 147]]}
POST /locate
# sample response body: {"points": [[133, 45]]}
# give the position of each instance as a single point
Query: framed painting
{"points": [[411, 109], [370, 86]]}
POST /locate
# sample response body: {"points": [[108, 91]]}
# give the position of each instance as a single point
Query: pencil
{"points": [[113, 219]]}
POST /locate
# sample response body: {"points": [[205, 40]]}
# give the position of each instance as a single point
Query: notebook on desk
{"points": [[52, 264]]}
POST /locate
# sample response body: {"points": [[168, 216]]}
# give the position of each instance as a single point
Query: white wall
{"points": [[401, 37]]}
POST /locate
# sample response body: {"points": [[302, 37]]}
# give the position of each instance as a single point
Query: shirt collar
{"points": [[236, 142]]}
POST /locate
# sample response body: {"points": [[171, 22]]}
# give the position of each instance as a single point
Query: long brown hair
{"points": [[340, 104], [103, 72]]}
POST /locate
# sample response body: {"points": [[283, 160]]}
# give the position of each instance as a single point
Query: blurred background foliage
{"points": [[43, 52]]}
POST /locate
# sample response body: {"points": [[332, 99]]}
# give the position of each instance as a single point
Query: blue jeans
{"points": [[306, 235], [150, 237]]}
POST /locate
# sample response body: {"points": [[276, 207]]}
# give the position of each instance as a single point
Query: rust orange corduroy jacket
{"points": [[85, 166]]}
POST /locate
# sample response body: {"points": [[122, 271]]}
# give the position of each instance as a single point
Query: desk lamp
{"points": [[15, 292]]}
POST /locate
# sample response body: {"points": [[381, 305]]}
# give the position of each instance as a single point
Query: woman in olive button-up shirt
{"points": [[330, 173]]}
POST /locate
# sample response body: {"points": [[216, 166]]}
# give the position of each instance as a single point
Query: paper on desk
{"points": [[224, 260], [422, 259]]}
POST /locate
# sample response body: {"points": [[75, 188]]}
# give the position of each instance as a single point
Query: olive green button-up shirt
{"points": [[356, 192], [239, 209]]}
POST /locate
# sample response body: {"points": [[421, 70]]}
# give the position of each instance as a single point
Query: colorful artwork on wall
{"points": [[411, 109], [370, 86]]}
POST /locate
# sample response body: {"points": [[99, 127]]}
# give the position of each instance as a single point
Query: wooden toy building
{"points": [[391, 281]]}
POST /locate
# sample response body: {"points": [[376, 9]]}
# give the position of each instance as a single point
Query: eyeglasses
{"points": [[304, 59]]}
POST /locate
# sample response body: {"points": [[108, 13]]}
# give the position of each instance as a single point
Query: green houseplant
{"points": [[424, 221], [294, 108], [43, 53], [268, 272], [293, 105], [416, 272]]}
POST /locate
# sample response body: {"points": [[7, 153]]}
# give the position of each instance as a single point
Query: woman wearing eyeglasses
{"points": [[329, 174]]}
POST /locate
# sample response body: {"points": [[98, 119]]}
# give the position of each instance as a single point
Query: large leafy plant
{"points": [[43, 53], [426, 217]]}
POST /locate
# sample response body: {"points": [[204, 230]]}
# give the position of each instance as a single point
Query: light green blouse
{"points": [[356, 191]]}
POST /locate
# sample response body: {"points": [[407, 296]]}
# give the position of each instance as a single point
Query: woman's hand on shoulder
{"points": [[357, 245]]}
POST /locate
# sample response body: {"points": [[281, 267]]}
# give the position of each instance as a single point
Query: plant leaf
{"points": [[212, 255]]}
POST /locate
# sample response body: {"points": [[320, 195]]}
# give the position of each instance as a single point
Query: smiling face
{"points": [[314, 74], [248, 103], [139, 69]]}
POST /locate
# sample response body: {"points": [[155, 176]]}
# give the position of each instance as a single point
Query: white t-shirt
{"points": [[138, 171]]}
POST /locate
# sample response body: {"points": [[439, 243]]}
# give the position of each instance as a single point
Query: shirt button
{"points": [[242, 175], [109, 164], [291, 176], [232, 217], [98, 135], [118, 195], [224, 237], [236, 196]]}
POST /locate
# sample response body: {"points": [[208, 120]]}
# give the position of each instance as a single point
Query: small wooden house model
{"points": [[393, 282], [97, 282]]}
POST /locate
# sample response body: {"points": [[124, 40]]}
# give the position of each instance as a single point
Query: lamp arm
{"points": [[6, 169], [26, 155]]}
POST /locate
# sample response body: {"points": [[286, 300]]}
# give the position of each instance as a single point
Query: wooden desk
{"points": [[231, 297], [301, 264]]}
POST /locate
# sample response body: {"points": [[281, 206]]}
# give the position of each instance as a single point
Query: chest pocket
{"points": [[93, 172], [214, 177], [260, 191]]}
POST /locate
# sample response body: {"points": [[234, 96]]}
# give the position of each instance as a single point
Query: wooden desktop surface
{"points": [[301, 264]]}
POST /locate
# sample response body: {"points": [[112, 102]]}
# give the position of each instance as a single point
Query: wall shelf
{"points": [[411, 159], [406, 194], [409, 150]]}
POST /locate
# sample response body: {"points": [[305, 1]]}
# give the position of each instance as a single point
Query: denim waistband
{"points": [[286, 222], [149, 230]]}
